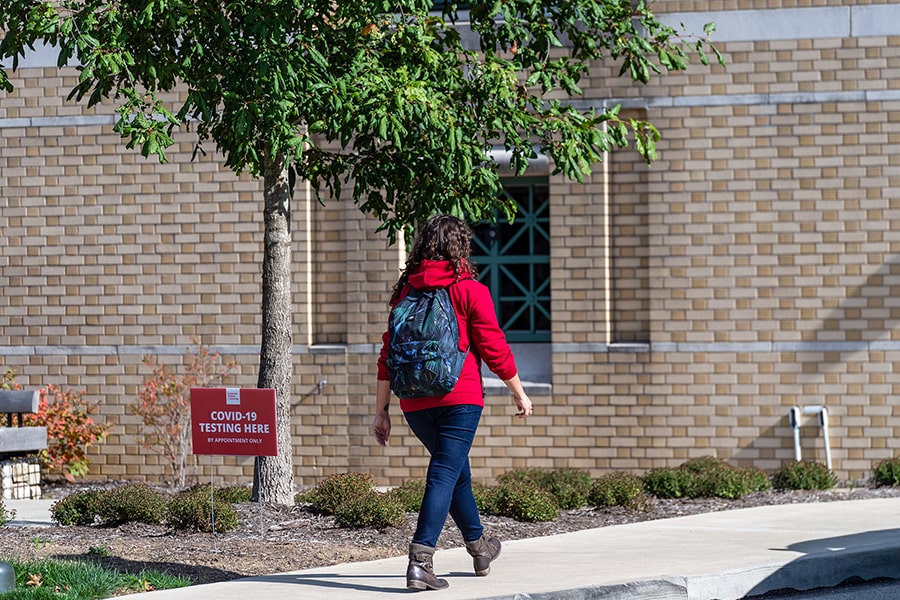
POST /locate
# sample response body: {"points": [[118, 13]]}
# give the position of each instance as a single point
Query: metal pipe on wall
{"points": [[821, 412]]}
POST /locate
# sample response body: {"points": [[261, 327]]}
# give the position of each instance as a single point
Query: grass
{"points": [[73, 580]]}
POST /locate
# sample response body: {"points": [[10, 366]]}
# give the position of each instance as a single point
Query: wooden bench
{"points": [[19, 440]]}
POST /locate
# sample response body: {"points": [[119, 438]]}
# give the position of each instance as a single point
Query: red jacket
{"points": [[478, 330]]}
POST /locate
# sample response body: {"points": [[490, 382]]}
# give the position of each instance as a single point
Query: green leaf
{"points": [[401, 113], [703, 58], [719, 57]]}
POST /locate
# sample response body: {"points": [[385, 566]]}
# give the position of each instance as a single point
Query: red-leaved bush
{"points": [[70, 428], [164, 404]]}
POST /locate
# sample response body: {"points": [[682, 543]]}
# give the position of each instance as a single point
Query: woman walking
{"points": [[446, 423]]}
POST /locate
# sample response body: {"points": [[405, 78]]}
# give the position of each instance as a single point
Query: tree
{"points": [[383, 96]]}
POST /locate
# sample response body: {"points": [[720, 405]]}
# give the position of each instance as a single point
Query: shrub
{"points": [[132, 503], [525, 501], [754, 480], [805, 475], [164, 404], [334, 490], [233, 494], [532, 475], [643, 502], [371, 509], [190, 510], [71, 430], [705, 477], [715, 478], [409, 495], [305, 497], [78, 508], [704, 464], [887, 472], [70, 427], [616, 489], [721, 483], [485, 498], [669, 483], [569, 487]]}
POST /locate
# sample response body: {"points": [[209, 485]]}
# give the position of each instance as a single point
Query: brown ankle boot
{"points": [[420, 572], [483, 551]]}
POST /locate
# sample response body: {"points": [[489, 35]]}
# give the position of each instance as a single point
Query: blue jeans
{"points": [[447, 433]]}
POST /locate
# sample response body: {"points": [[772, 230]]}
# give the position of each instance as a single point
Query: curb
{"points": [[640, 590], [823, 570]]}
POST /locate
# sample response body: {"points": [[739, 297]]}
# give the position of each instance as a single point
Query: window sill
{"points": [[493, 387]]}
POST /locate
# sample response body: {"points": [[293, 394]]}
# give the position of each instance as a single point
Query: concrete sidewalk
{"points": [[29, 513], [725, 556]]}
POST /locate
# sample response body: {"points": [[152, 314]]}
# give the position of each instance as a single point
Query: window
{"points": [[514, 261]]}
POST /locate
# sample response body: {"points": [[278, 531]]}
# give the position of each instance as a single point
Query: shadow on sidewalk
{"points": [[392, 583], [831, 561]]}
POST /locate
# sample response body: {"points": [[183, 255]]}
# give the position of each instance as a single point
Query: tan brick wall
{"points": [[749, 270]]}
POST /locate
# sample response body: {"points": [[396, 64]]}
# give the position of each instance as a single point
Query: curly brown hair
{"points": [[442, 238]]}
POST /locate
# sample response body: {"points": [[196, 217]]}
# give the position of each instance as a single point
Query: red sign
{"points": [[233, 421]]}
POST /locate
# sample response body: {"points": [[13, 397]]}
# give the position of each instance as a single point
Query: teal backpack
{"points": [[423, 357]]}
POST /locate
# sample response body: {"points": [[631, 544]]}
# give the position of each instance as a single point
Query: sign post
{"points": [[233, 422]]}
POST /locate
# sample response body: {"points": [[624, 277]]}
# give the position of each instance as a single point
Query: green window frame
{"points": [[513, 260]]}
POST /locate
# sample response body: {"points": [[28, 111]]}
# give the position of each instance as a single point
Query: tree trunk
{"points": [[273, 480]]}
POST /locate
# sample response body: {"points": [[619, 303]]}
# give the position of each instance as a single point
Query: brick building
{"points": [[663, 312]]}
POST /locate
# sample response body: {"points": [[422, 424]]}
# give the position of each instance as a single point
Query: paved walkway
{"points": [[724, 556]]}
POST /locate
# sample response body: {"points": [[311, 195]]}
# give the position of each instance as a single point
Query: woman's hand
{"points": [[381, 428], [523, 402]]}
